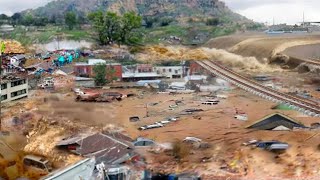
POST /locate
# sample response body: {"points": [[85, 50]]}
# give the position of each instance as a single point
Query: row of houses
{"points": [[132, 72]]}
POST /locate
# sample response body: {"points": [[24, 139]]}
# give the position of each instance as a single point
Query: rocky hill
{"points": [[181, 10]]}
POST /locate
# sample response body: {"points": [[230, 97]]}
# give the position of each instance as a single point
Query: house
{"points": [[143, 68], [195, 69], [170, 71], [110, 148], [114, 70], [276, 121], [17, 60], [13, 88], [139, 72]]}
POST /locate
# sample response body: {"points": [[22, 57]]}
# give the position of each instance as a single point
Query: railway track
{"points": [[306, 106]]}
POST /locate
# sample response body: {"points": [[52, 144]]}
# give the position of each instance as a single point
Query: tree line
{"points": [[70, 19]]}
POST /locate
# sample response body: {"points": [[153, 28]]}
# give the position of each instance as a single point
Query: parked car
{"points": [[37, 163]]}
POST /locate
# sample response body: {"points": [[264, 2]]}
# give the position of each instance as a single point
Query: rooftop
{"points": [[92, 62], [9, 78]]}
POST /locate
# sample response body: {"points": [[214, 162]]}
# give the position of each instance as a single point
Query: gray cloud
{"points": [[283, 11], [11, 6], [246, 4]]}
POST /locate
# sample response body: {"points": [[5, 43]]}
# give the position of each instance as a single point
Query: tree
{"points": [[16, 18], [100, 74], [213, 22], [70, 20], [129, 22], [107, 26], [53, 19], [112, 28], [165, 21], [28, 20], [41, 21]]}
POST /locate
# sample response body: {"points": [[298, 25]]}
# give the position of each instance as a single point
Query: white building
{"points": [[169, 71], [13, 89]]}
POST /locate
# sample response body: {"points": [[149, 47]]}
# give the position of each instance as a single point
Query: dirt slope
{"points": [[262, 46]]}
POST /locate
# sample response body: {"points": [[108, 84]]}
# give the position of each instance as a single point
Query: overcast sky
{"points": [[290, 11]]}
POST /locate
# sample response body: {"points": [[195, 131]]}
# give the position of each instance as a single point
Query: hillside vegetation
{"points": [[163, 21]]}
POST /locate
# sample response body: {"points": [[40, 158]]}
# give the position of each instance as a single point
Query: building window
{"points": [[4, 97], [3, 86], [170, 70], [18, 83], [18, 93], [164, 70], [176, 71]]}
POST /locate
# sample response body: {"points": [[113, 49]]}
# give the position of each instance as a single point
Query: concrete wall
{"points": [[9, 90]]}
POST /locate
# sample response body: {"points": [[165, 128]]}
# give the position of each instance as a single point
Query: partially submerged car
{"points": [[37, 163], [192, 140], [193, 110], [272, 145], [151, 126], [134, 119]]}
